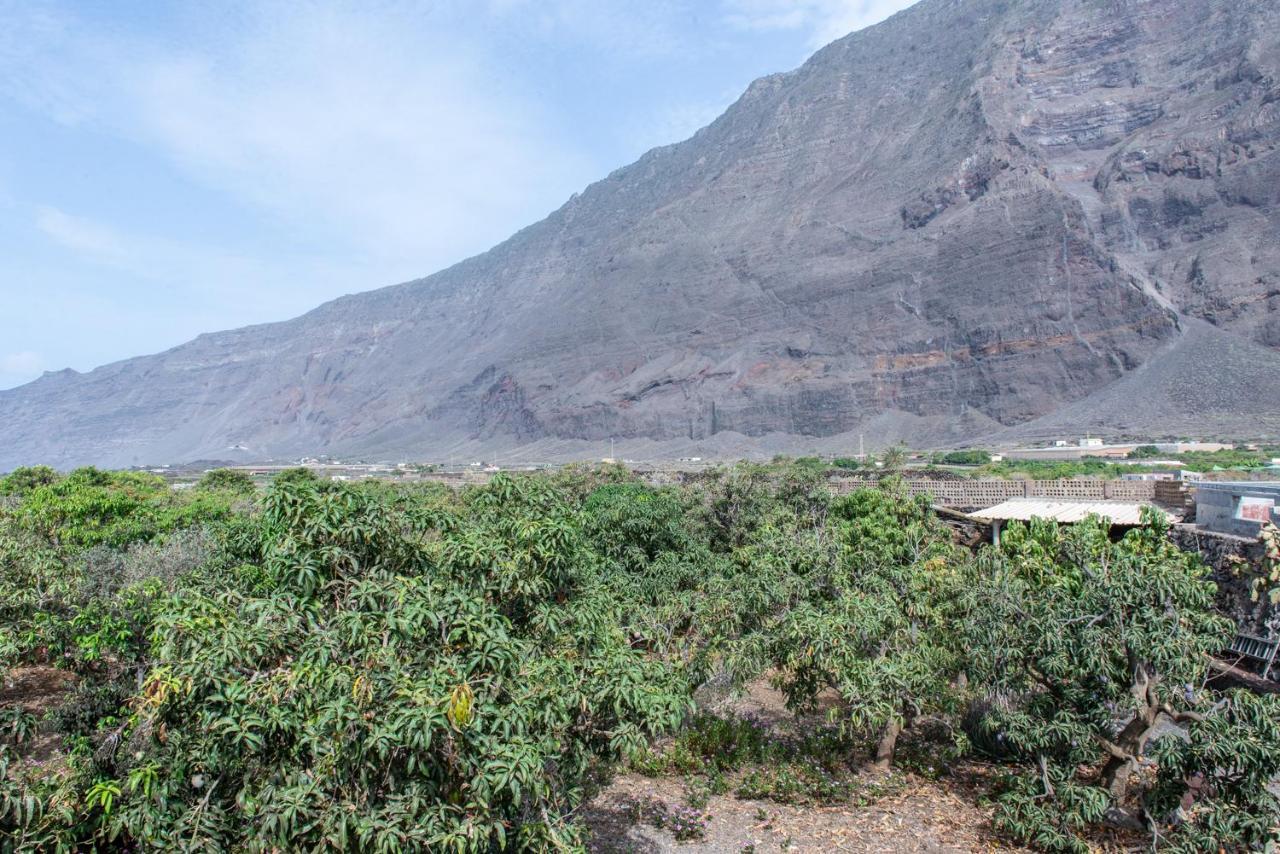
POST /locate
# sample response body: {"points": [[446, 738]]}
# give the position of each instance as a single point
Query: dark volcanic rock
{"points": [[970, 217]]}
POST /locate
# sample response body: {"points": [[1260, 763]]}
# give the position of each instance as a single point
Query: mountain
{"points": [[978, 217]]}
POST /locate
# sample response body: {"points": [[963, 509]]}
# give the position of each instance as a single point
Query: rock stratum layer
{"points": [[977, 218]]}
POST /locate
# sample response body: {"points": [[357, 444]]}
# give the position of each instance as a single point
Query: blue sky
{"points": [[168, 169]]}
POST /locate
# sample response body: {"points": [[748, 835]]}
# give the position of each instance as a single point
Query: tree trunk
{"points": [[885, 747], [1133, 738], [1115, 774]]}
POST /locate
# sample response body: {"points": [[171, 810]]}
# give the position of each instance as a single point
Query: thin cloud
{"points": [[650, 29], [206, 276], [366, 129], [394, 143], [824, 20], [20, 367], [80, 235]]}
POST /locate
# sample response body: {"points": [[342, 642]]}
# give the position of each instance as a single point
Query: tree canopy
{"points": [[378, 666]]}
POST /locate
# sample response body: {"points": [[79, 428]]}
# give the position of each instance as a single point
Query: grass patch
{"points": [[738, 753]]}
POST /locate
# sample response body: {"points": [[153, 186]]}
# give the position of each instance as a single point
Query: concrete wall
{"points": [[1218, 506]]}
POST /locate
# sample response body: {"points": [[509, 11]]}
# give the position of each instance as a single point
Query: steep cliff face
{"points": [[962, 220]]}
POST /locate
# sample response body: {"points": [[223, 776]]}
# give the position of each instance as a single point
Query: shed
{"points": [[1118, 513]]}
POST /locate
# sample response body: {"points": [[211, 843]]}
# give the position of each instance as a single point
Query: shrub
{"points": [[299, 474], [964, 458], [390, 666]]}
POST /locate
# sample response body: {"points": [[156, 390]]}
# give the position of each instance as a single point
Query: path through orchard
{"points": [[915, 814]]}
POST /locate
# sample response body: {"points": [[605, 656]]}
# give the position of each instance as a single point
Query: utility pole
{"points": [[861, 451]]}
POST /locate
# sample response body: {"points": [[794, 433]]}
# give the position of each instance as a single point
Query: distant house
{"points": [[1091, 442]]}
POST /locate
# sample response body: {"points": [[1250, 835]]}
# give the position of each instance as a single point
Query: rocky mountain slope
{"points": [[954, 224]]}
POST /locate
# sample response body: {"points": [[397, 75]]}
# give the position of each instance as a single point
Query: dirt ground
{"points": [[921, 815], [926, 817], [36, 690]]}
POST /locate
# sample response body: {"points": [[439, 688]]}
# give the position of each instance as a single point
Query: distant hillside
{"points": [[981, 217]]}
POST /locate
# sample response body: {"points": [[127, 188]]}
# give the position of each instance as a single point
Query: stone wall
{"points": [[1235, 561]]}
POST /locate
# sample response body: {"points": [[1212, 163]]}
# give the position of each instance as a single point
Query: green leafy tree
{"points": [[443, 682], [633, 524], [76, 554], [227, 480], [20, 481], [876, 622], [1214, 789], [390, 666], [299, 474], [894, 458], [1091, 644], [964, 458]]}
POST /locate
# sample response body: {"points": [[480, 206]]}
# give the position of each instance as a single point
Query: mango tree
{"points": [[876, 622], [1086, 646]]}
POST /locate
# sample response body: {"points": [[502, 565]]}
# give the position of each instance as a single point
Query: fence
{"points": [[987, 492]]}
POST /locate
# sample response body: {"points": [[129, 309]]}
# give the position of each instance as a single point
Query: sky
{"points": [[168, 169]]}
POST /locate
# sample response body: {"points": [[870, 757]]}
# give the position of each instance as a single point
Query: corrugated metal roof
{"points": [[1119, 512]]}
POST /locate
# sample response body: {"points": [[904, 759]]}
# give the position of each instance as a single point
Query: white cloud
{"points": [[648, 29], [402, 144], [25, 362], [16, 368], [80, 235], [200, 278], [824, 20], [370, 130]]}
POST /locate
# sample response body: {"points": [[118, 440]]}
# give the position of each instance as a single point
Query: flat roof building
{"points": [[1240, 508]]}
